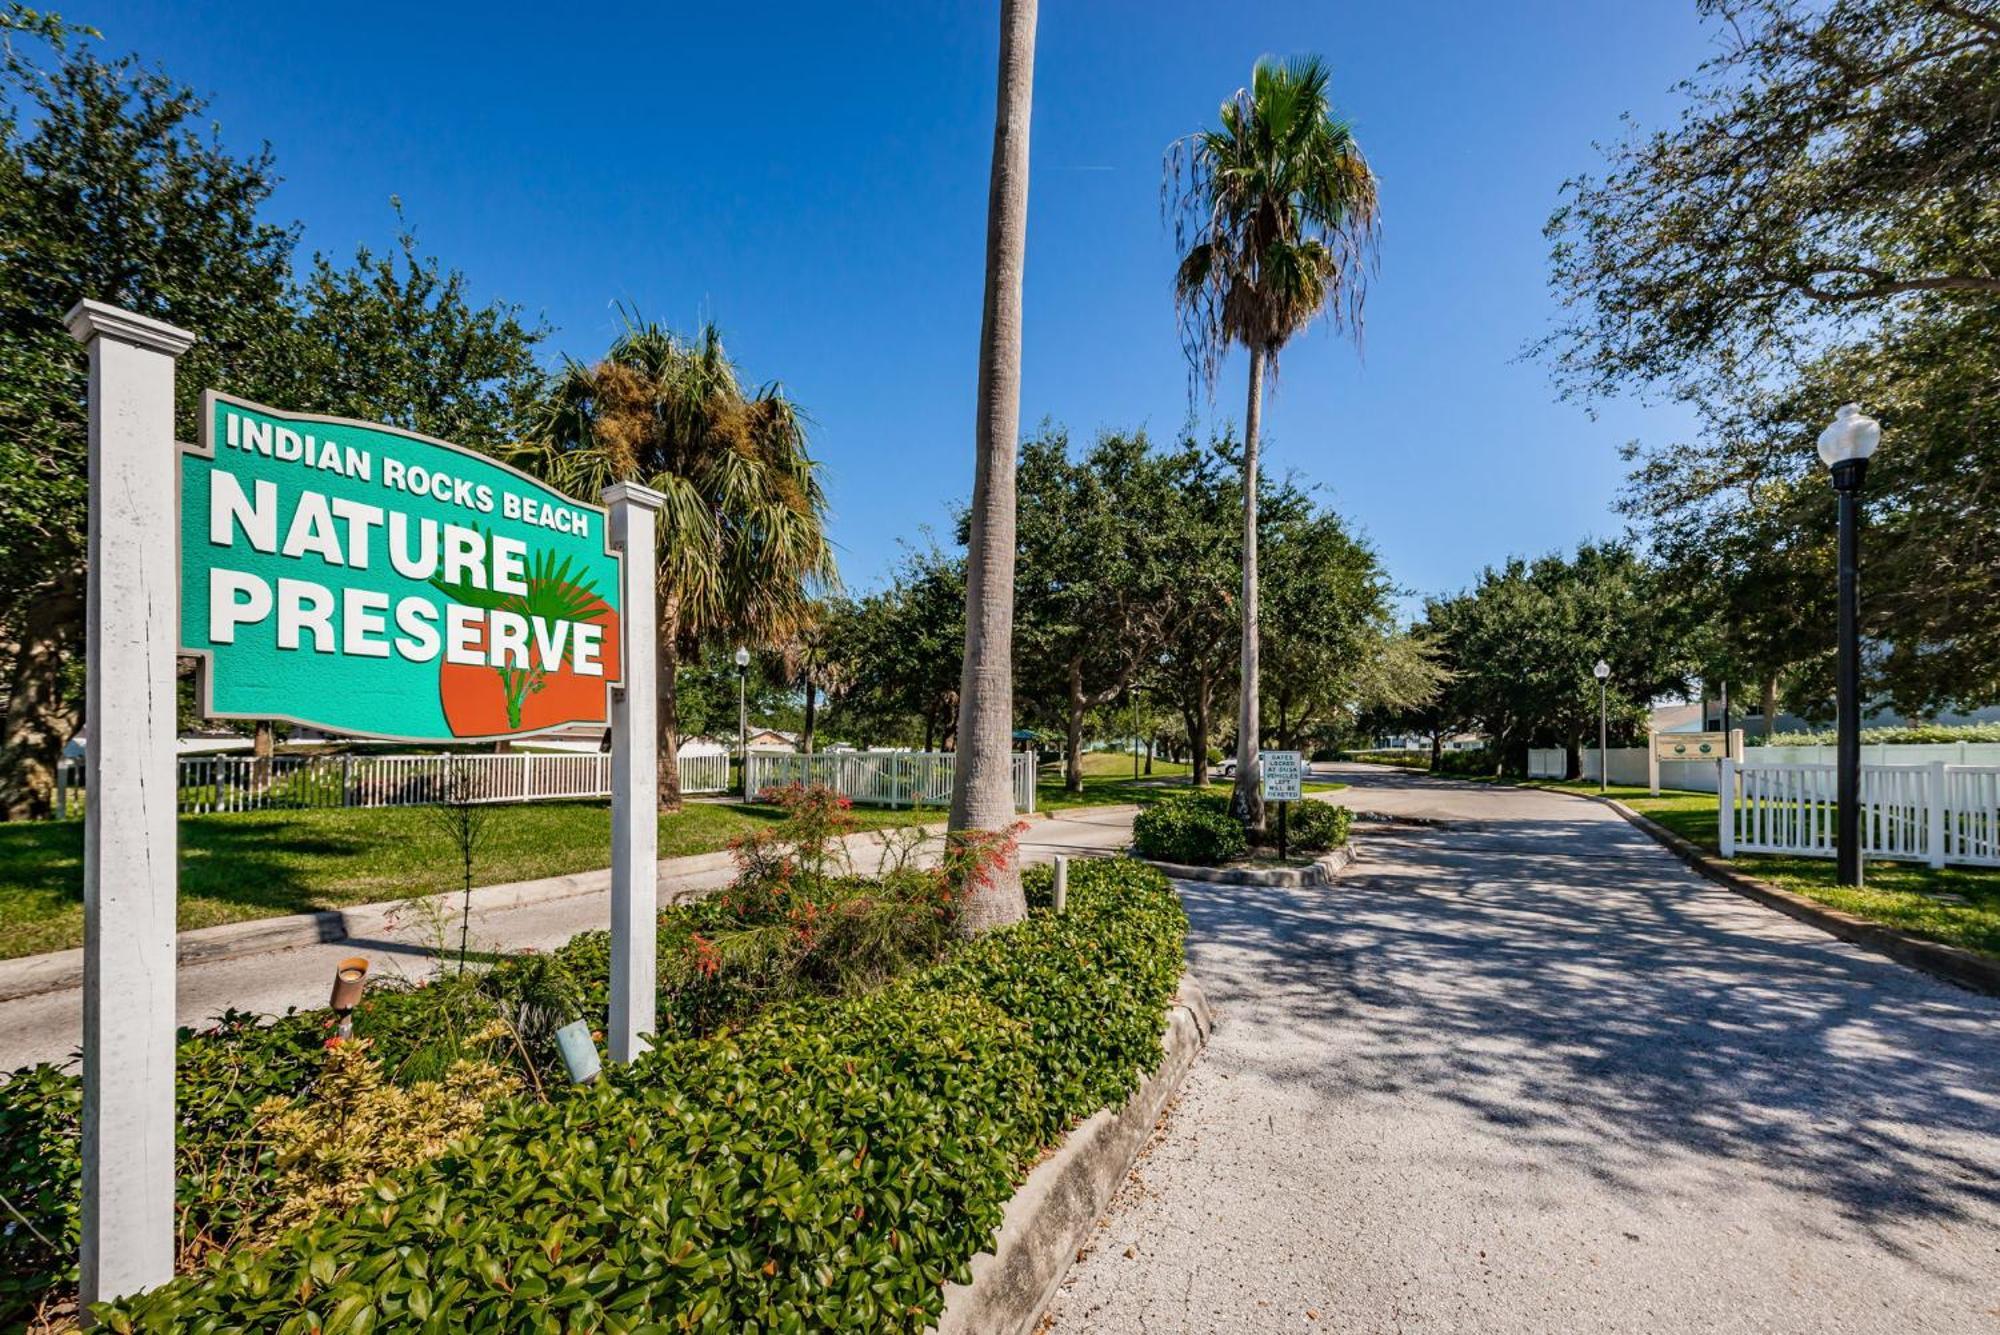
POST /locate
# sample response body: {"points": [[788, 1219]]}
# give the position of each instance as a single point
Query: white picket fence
{"points": [[246, 783], [1937, 813], [881, 778]]}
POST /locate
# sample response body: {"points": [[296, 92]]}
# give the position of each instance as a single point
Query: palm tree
{"points": [[742, 536], [1275, 215], [982, 791]]}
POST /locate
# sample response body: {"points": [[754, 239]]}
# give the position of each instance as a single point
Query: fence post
{"points": [[635, 749], [527, 767], [1652, 763], [130, 867], [1059, 895], [1725, 808], [1934, 809]]}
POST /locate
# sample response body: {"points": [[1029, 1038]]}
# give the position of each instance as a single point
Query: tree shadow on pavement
{"points": [[1582, 994]]}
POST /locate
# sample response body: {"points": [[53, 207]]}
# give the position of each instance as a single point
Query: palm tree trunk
{"points": [[1247, 800], [668, 731], [982, 795], [1770, 706]]}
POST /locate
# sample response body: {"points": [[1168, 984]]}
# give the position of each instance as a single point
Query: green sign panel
{"points": [[367, 580]]}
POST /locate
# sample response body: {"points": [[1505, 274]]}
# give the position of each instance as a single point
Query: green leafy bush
{"points": [[1192, 828], [1908, 734], [826, 1166], [1476, 762], [1400, 759], [1314, 827]]}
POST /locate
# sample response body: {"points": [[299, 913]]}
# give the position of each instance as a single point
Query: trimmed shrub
{"points": [[1917, 734], [1190, 828], [1477, 762], [1400, 759], [828, 1165], [1315, 827]]}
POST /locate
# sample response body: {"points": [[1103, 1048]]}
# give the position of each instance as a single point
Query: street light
{"points": [[1603, 674], [1845, 447], [743, 714]]}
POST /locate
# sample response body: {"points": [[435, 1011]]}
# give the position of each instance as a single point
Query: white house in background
{"points": [[1747, 714], [1413, 741], [773, 739], [691, 747]]}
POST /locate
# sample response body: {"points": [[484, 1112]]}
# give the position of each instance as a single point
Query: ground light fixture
{"points": [[349, 978], [1845, 447], [579, 1052], [1603, 674]]}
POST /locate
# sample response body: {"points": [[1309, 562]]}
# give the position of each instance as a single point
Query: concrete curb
{"points": [[31, 975], [1322, 872], [1950, 963], [1057, 1207]]}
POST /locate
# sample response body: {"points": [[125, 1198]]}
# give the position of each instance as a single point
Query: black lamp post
{"points": [[1845, 447], [1603, 674], [743, 714]]}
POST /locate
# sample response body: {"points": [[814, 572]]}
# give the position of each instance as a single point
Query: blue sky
{"points": [[813, 176]]}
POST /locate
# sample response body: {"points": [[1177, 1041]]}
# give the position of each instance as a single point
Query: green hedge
{"points": [[1190, 828], [1400, 759], [827, 1166], [1908, 734], [1315, 827]]}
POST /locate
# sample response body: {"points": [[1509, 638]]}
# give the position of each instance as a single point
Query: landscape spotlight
{"points": [[348, 980]]}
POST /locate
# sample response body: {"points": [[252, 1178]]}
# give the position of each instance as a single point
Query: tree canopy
{"points": [[1832, 159], [114, 185]]}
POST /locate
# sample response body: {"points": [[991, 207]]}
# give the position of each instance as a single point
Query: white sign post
{"points": [[635, 778], [129, 850]]}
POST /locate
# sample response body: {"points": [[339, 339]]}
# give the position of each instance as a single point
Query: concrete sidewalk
{"points": [[1528, 1073], [48, 1025]]}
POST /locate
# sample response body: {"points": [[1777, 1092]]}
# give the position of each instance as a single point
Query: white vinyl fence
{"points": [[1936, 813], [246, 783], [881, 778]]}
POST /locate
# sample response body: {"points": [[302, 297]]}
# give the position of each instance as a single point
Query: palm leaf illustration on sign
{"points": [[559, 597]]}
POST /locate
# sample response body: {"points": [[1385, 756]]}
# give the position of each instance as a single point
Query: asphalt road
{"points": [[49, 1026], [1530, 1074]]}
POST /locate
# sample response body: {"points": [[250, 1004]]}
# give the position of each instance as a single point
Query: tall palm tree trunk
{"points": [[1247, 801], [982, 794]]}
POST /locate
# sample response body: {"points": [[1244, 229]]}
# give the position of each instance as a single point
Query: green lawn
{"points": [[1957, 905], [1107, 781], [263, 864]]}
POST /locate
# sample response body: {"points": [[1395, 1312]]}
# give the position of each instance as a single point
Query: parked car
{"points": [[1223, 770]]}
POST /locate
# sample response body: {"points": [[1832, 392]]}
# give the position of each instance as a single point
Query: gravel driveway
{"points": [[1530, 1074]]}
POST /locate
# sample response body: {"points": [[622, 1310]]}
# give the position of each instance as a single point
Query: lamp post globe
{"points": [[1845, 448]]}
